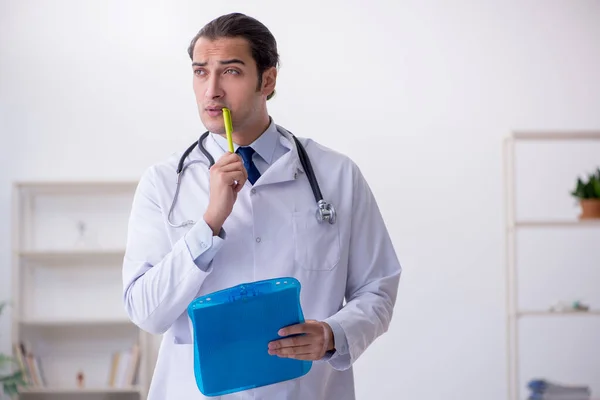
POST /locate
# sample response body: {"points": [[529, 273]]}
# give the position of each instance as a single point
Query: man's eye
{"points": [[232, 71], [198, 72]]}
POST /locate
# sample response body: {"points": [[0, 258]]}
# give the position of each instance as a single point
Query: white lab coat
{"points": [[352, 261]]}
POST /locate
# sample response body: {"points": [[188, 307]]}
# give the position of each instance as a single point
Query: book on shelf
{"points": [[30, 364], [125, 367]]}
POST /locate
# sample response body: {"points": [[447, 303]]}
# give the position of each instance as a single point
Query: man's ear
{"points": [[269, 80]]}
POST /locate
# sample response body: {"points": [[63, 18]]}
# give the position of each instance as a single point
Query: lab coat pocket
{"points": [[317, 245]]}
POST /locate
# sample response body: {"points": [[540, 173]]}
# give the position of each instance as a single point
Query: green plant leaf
{"points": [[596, 186], [7, 379], [18, 379], [579, 189], [4, 359], [590, 189], [11, 383], [10, 389]]}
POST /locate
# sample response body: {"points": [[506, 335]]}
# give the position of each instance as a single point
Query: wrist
{"points": [[331, 341], [214, 223]]}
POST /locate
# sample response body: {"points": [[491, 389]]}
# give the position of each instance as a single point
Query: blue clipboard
{"points": [[231, 332]]}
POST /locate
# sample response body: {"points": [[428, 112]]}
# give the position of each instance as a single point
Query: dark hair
{"points": [[262, 42]]}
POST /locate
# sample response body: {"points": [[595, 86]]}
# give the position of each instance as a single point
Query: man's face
{"points": [[225, 75]]}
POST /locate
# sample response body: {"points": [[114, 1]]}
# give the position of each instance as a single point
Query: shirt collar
{"points": [[264, 146]]}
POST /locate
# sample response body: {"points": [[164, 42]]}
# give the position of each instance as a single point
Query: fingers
{"points": [[227, 158], [307, 327], [307, 342], [230, 170], [236, 180], [293, 352], [233, 166], [229, 178], [305, 357], [313, 351], [295, 341]]}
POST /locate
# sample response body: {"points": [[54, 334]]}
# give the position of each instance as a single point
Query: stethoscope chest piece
{"points": [[326, 212]]}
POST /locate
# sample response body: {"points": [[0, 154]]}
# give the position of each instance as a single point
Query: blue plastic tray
{"points": [[232, 329]]}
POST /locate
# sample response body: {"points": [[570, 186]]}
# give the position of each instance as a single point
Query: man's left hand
{"points": [[314, 340]]}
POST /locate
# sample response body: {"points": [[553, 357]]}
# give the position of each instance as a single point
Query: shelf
{"points": [[67, 253], [75, 323], [556, 223], [556, 135], [76, 187], [533, 313], [52, 390], [534, 332], [70, 255]]}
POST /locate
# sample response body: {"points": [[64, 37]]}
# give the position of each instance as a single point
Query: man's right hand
{"points": [[227, 177]]}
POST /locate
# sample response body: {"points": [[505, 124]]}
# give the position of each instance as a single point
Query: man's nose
{"points": [[213, 88]]}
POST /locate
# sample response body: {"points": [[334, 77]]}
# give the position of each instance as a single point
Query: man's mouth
{"points": [[214, 111]]}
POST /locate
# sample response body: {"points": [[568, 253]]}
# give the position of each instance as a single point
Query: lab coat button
{"points": [[253, 191], [258, 240], [202, 244]]}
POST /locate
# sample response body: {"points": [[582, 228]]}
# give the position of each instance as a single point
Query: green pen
{"points": [[228, 127]]}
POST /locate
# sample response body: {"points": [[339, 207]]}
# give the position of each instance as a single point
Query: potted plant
{"points": [[10, 383], [588, 193]]}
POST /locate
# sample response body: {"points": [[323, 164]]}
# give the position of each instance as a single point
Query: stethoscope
{"points": [[325, 210]]}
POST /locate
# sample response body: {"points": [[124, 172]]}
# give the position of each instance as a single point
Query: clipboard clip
{"points": [[243, 293]]}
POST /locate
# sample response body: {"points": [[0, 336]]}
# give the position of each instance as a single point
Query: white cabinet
{"points": [[68, 313]]}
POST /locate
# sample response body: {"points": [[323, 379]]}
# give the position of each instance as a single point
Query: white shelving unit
{"points": [[565, 224], [69, 240]]}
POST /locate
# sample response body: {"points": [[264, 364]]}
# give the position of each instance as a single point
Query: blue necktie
{"points": [[246, 154]]}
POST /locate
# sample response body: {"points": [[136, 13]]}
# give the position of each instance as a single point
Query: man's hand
{"points": [[314, 340], [227, 178]]}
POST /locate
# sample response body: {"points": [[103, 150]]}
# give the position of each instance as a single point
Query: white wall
{"points": [[421, 92]]}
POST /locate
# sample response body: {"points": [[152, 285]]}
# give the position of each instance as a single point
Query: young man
{"points": [[253, 217]]}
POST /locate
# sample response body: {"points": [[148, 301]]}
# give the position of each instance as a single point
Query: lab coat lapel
{"points": [[213, 148], [287, 167]]}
